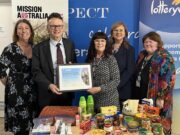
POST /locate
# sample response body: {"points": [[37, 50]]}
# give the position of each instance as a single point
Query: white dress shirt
{"points": [[53, 50]]}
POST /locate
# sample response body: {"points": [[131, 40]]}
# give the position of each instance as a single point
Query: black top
{"points": [[141, 92], [126, 62]]}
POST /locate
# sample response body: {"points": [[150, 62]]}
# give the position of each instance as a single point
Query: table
{"points": [[76, 131]]}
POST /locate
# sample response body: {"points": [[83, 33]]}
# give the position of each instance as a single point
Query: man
{"points": [[45, 61]]}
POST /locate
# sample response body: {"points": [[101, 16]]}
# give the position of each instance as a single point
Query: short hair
{"points": [[92, 51], [15, 36], [54, 15], [155, 37]]}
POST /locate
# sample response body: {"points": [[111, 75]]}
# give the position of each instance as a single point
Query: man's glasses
{"points": [[53, 27]]}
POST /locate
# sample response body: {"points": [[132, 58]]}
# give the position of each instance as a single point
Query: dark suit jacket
{"points": [[126, 62], [43, 75]]}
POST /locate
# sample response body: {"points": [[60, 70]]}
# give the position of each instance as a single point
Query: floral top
{"points": [[19, 90], [161, 83]]}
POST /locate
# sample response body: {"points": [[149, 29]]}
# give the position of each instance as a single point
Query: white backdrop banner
{"points": [[37, 12]]}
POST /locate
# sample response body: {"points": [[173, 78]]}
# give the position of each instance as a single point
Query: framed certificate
{"points": [[74, 77]]}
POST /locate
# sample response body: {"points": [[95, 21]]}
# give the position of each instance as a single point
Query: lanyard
{"points": [[138, 79]]}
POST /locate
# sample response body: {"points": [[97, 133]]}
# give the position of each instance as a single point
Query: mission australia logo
{"points": [[163, 7], [31, 12]]}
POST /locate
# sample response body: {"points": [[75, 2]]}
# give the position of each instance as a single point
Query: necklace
{"points": [[96, 61], [95, 64]]}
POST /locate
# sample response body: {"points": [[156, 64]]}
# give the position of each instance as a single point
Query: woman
{"points": [[105, 72], [155, 77], [19, 89], [124, 54]]}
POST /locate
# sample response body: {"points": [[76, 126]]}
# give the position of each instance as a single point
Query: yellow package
{"points": [[108, 110]]}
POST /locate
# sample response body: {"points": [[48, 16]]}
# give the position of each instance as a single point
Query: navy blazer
{"points": [[43, 74], [126, 62]]}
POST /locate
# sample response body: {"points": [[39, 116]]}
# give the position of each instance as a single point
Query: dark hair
{"points": [[155, 37], [92, 51], [15, 36], [125, 41], [54, 15]]}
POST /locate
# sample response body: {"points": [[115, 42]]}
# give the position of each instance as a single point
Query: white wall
{"points": [[5, 39]]}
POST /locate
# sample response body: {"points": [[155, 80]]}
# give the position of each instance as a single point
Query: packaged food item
{"points": [[152, 111], [68, 113], [118, 132], [147, 101], [86, 116], [124, 130], [100, 120], [121, 117], [127, 119], [157, 129], [116, 121], [109, 110], [108, 127], [93, 123], [149, 133], [156, 119], [142, 131], [130, 107], [146, 123], [77, 119], [140, 116], [97, 132], [141, 108], [44, 121], [133, 126], [85, 126]]}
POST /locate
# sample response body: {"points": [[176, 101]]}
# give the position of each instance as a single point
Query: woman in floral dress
{"points": [[20, 94], [155, 77]]}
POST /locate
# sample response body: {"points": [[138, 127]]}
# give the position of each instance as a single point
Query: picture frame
{"points": [[74, 77]]}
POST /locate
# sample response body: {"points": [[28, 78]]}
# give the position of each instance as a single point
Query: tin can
{"points": [[146, 123], [142, 131], [157, 128]]}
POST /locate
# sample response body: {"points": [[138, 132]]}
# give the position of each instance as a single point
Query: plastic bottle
{"points": [[82, 105], [90, 105], [77, 119]]}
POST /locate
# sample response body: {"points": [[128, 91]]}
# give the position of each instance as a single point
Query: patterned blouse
{"points": [[161, 83], [106, 75]]}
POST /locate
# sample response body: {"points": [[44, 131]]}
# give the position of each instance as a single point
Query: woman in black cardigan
{"points": [[124, 54]]}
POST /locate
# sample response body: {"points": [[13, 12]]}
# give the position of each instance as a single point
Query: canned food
{"points": [[133, 126], [142, 131], [146, 123], [157, 128]]}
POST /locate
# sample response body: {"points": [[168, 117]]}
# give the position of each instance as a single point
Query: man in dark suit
{"points": [[44, 64]]}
